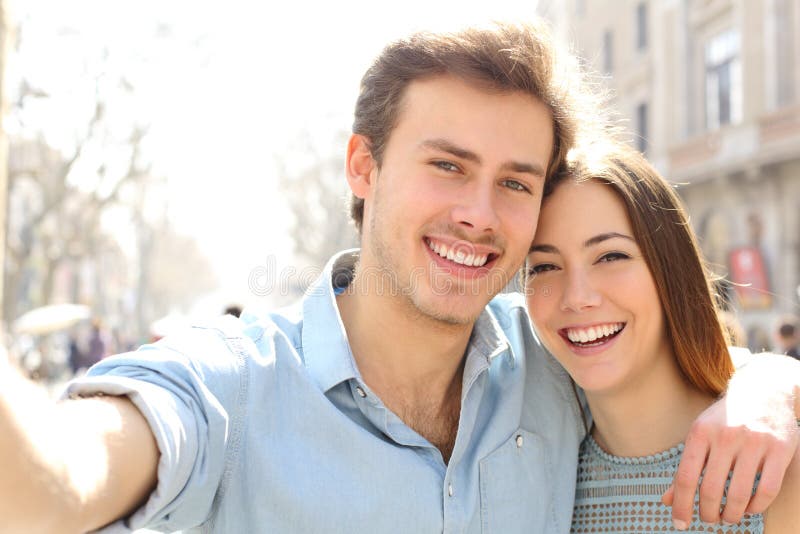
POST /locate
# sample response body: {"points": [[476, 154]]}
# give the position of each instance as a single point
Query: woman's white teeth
{"points": [[586, 335], [460, 257]]}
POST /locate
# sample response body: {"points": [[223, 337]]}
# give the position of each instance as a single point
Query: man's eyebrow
{"points": [[528, 168], [448, 146], [462, 153], [550, 249]]}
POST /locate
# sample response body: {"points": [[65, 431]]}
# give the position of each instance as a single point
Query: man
{"points": [[395, 396]]}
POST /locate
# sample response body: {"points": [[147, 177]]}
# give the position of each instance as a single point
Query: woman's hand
{"points": [[751, 430]]}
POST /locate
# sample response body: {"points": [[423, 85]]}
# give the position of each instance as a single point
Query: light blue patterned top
{"points": [[617, 494]]}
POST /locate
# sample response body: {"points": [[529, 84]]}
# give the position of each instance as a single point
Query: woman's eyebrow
{"points": [[543, 248], [599, 238]]}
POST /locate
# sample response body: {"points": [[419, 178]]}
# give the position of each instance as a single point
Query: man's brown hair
{"points": [[503, 57], [661, 228]]}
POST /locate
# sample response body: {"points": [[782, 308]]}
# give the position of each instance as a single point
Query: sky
{"points": [[226, 88]]}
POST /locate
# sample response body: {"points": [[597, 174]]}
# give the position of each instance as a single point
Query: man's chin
{"points": [[451, 314], [456, 320]]}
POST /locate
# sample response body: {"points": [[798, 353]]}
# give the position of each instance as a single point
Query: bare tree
{"points": [[61, 198], [171, 270], [53, 220], [179, 272], [6, 33], [314, 186]]}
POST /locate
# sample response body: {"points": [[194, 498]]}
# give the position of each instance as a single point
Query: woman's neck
{"points": [[647, 417]]}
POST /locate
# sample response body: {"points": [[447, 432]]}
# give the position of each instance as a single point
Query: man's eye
{"points": [[447, 166], [515, 185]]}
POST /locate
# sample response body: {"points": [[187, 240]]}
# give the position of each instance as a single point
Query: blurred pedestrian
{"points": [[75, 356], [233, 309], [788, 338], [98, 344]]}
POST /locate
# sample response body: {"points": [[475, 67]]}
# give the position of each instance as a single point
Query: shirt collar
{"points": [[487, 342], [326, 351]]}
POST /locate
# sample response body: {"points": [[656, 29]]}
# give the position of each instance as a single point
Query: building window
{"points": [[785, 51], [723, 80], [608, 52], [641, 127], [641, 26]]}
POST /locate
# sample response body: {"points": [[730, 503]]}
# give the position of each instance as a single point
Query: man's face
{"points": [[452, 211]]}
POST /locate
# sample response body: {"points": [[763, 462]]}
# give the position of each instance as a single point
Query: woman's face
{"points": [[591, 296]]}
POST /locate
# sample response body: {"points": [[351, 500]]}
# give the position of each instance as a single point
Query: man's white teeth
{"points": [[460, 257], [587, 335]]}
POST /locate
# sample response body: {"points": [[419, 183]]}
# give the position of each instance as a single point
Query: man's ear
{"points": [[360, 166]]}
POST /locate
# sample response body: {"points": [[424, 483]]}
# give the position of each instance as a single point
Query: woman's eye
{"points": [[613, 256], [541, 268], [515, 185]]}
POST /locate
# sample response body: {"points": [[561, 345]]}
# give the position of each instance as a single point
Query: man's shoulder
{"points": [[257, 333], [509, 311], [507, 303], [218, 339], [257, 322]]}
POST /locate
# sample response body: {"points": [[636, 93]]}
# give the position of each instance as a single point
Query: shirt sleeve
{"points": [[190, 388]]}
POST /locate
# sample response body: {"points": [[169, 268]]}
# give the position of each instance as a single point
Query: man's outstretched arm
{"points": [[70, 466], [752, 429]]}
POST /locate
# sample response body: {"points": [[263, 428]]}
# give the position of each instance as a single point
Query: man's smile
{"points": [[461, 252]]}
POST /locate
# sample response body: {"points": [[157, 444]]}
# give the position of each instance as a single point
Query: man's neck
{"points": [[412, 362], [407, 351]]}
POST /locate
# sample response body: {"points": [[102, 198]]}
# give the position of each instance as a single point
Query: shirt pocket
{"points": [[515, 486]]}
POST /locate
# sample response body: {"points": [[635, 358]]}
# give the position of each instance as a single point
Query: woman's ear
{"points": [[359, 166]]}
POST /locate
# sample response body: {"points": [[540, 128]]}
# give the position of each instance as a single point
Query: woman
{"points": [[617, 292]]}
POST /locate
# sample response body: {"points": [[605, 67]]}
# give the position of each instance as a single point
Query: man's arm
{"points": [[71, 466], [752, 429]]}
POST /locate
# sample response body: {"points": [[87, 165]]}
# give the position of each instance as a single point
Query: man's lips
{"points": [[462, 253]]}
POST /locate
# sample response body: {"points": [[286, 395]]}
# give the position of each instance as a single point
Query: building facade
{"points": [[709, 90]]}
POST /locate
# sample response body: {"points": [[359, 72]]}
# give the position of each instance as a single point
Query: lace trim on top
{"points": [[670, 455], [623, 494]]}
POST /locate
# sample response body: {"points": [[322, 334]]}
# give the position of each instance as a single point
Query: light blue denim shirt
{"points": [[264, 424]]}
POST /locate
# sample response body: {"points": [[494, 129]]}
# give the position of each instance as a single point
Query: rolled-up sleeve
{"points": [[190, 388]]}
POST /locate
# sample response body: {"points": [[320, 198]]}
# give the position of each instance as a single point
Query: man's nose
{"points": [[476, 208]]}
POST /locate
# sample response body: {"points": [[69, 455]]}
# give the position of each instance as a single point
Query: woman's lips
{"points": [[598, 337]]}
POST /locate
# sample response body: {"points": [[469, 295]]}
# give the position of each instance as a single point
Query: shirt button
{"points": [[519, 441], [361, 392], [450, 490]]}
